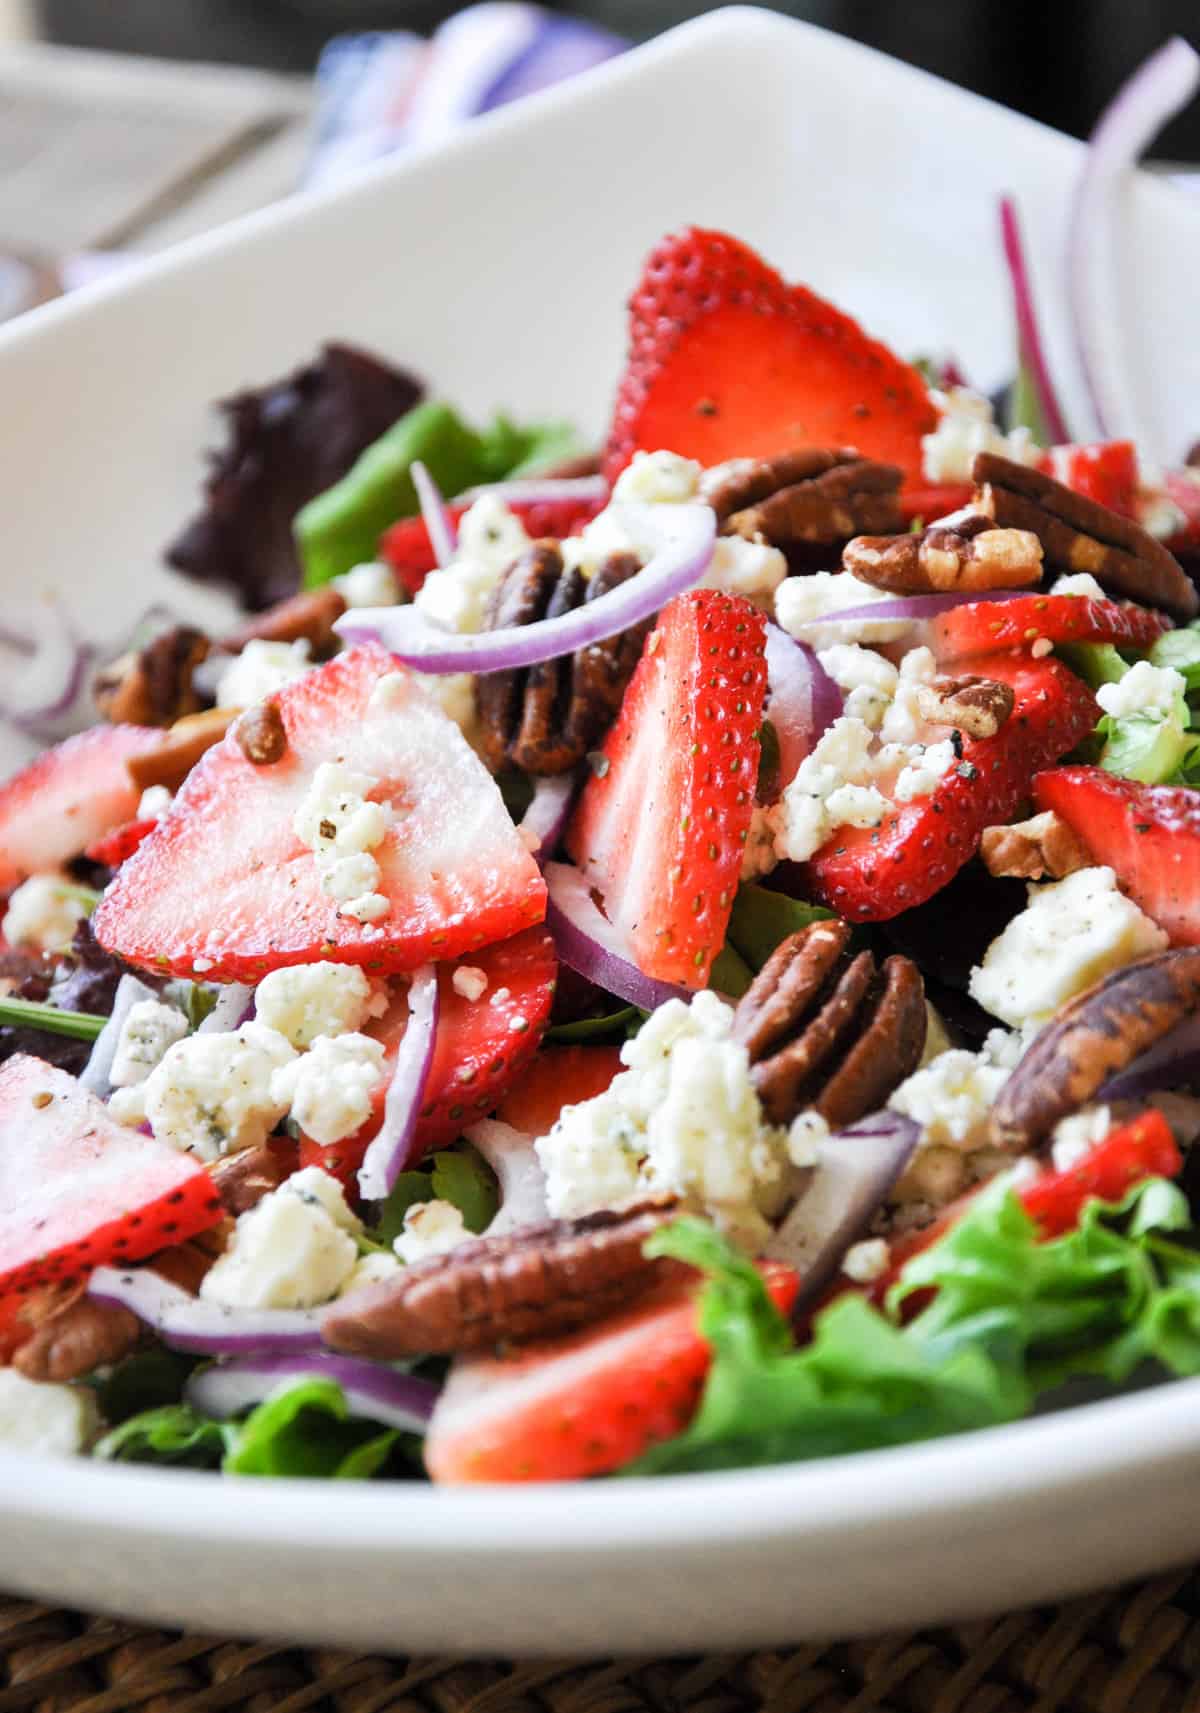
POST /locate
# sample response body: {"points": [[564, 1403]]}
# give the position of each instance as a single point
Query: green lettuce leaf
{"points": [[1151, 747], [459, 1174], [616, 1025], [173, 1433], [1096, 662], [1180, 649], [148, 1380], [761, 919], [307, 1430]]}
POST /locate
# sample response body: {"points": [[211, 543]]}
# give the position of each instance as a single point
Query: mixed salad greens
{"points": [[675, 959]]}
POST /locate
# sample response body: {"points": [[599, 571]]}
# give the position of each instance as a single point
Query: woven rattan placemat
{"points": [[1136, 1650]]}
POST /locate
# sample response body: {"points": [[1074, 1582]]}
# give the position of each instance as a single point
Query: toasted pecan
{"points": [[187, 740], [1093, 1037], [1042, 848], [307, 617], [243, 1179], [495, 1290], [153, 687], [1078, 534], [72, 1334], [809, 495], [829, 1030], [961, 553], [971, 704]]}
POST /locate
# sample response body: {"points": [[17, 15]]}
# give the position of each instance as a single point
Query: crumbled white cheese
{"points": [[430, 1228], [803, 605], [1080, 583], [490, 537], [951, 1098], [803, 818], [856, 806], [966, 426], [50, 1420], [659, 478], [1074, 1137], [149, 1029], [1159, 515], [128, 1105], [805, 1135], [867, 679], [683, 1119], [866, 1261], [1144, 689], [211, 1094], [373, 1269], [342, 827], [469, 981], [920, 777], [372, 584], [43, 912], [260, 670], [329, 1088], [314, 999], [154, 803], [1071, 933], [903, 722], [296, 1248], [752, 569]]}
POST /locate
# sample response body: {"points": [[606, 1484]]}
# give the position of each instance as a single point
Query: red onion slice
{"points": [[1173, 1062], [683, 537], [915, 608], [1158, 90], [390, 1149], [96, 1074], [855, 1172], [189, 1323], [539, 491], [587, 942], [372, 1390], [439, 525], [802, 699], [513, 1157], [1029, 338], [546, 817], [235, 1005]]}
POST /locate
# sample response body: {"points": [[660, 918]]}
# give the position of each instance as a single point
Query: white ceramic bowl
{"points": [[499, 266]]}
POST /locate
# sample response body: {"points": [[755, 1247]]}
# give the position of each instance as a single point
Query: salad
{"points": [[673, 959]]}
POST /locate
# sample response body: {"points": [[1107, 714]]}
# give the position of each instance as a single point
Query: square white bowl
{"points": [[498, 266]]}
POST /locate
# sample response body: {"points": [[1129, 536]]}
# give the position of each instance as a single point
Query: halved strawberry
{"points": [[661, 826], [557, 1077], [1148, 834], [483, 1046], [1106, 472], [583, 1404], [726, 361], [930, 503], [115, 847], [1183, 490], [988, 627], [71, 794], [872, 875], [78, 1190], [408, 550], [223, 887]]}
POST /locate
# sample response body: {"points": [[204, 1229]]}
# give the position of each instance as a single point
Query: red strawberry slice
{"points": [[78, 1190], [660, 831], [408, 550], [483, 1047], [584, 1404], [1149, 835], [557, 1077], [870, 875], [987, 627], [930, 503], [113, 849], [71, 794], [1106, 472], [726, 360], [224, 888]]}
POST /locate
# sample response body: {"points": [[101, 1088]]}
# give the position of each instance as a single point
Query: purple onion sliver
{"points": [[587, 942], [190, 1323], [513, 1157], [388, 1153], [438, 522], [855, 1172], [372, 1390], [540, 490], [802, 699], [1161, 87], [685, 535], [1029, 337], [95, 1075], [235, 1005], [546, 817], [1172, 1062], [914, 608]]}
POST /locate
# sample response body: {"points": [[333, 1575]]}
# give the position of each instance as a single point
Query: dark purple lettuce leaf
{"points": [[287, 443], [84, 979]]}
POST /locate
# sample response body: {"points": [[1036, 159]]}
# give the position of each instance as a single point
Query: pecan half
{"points": [[1042, 848], [242, 1180], [153, 687], [547, 717], [72, 1334], [1093, 1037], [309, 616], [496, 1290], [974, 705], [186, 742], [809, 495], [1077, 534], [959, 553], [829, 1030]]}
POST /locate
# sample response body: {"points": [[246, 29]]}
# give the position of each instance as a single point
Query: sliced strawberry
{"points": [[1148, 834], [69, 796], [557, 1077], [987, 627], [408, 550], [930, 503], [115, 847], [580, 1405], [483, 1046], [870, 875], [223, 887], [1183, 490], [727, 361], [78, 1190], [1106, 472], [660, 831]]}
